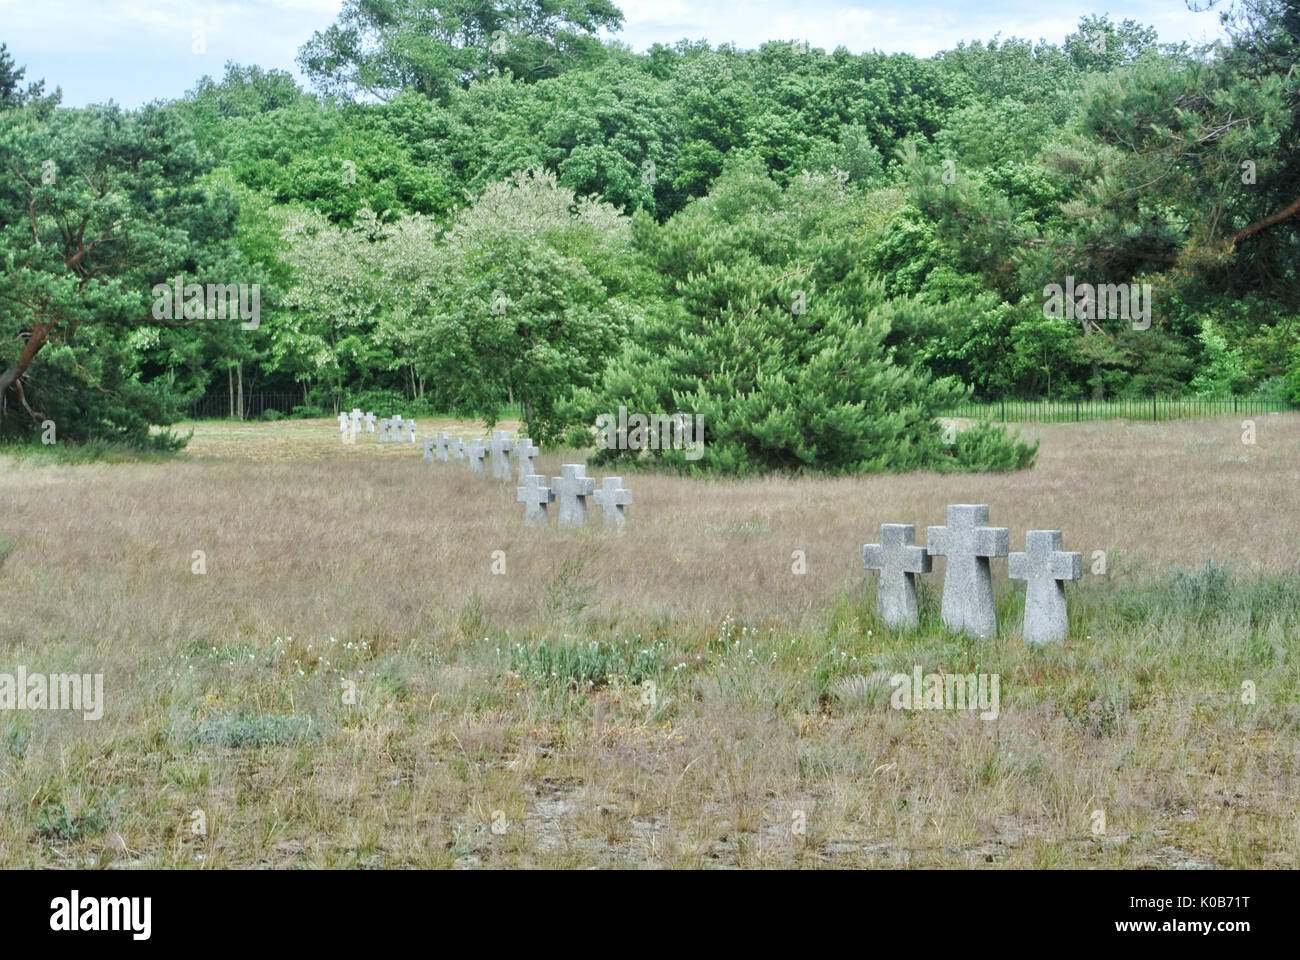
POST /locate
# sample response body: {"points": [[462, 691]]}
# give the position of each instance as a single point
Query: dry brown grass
{"points": [[328, 563]]}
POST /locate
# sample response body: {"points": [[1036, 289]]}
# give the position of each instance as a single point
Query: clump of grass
{"points": [[15, 740], [862, 692], [1202, 590], [586, 665], [7, 547], [55, 823], [254, 730]]}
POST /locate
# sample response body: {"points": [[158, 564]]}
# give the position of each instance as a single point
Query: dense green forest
{"points": [[484, 205]]}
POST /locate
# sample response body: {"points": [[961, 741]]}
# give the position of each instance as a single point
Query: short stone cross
{"points": [[1043, 566], [343, 426], [476, 453], [534, 495], [968, 543], [428, 450], [899, 560], [370, 422], [572, 491], [409, 425], [458, 449], [384, 426], [612, 498], [442, 441], [525, 451], [501, 446]]}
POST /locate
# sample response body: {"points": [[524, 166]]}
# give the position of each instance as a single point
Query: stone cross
{"points": [[525, 451], [1043, 566], [384, 426], [395, 429], [534, 495], [343, 425], [476, 453], [370, 422], [501, 446], [899, 560], [612, 498], [968, 543], [409, 425], [427, 446], [458, 449], [442, 441], [572, 490], [355, 416]]}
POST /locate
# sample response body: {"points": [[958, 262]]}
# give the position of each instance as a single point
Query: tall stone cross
{"points": [[612, 498], [501, 446], [1043, 566], [476, 453], [534, 495], [427, 446], [899, 560], [343, 426], [525, 451], [384, 426], [441, 442], [355, 417], [572, 490], [370, 422], [968, 543], [410, 430], [395, 429]]}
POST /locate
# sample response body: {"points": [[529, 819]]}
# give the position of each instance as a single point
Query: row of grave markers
{"points": [[969, 543], [394, 430], [570, 490]]}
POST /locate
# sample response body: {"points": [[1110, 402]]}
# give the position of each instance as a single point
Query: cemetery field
{"points": [[324, 655]]}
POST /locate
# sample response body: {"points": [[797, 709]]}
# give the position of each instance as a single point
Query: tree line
{"points": [[483, 205]]}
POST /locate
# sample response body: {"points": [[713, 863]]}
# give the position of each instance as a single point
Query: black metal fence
{"points": [[1147, 408], [219, 406]]}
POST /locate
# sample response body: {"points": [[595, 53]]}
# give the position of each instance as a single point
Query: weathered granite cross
{"points": [[572, 490], [534, 495], [458, 449], [476, 453], [441, 441], [1043, 566], [410, 430], [395, 429], [384, 426], [428, 450], [501, 446], [899, 560], [343, 425], [968, 543], [525, 451], [612, 497], [370, 422], [355, 417]]}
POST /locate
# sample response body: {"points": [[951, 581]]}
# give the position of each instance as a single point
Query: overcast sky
{"points": [[133, 51]]}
